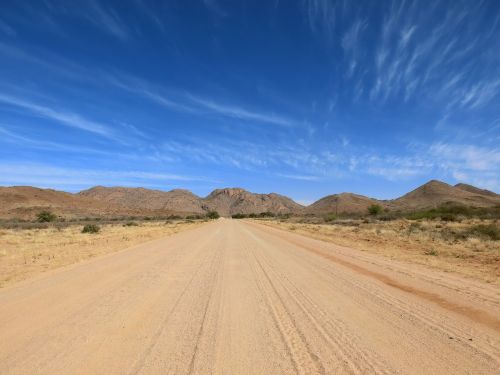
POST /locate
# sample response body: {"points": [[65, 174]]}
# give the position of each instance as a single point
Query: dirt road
{"points": [[235, 297]]}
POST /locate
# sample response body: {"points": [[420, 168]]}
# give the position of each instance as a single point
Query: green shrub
{"points": [[91, 228], [46, 217], [490, 231], [432, 252], [239, 216], [213, 215], [374, 209], [267, 214], [455, 212], [329, 218]]}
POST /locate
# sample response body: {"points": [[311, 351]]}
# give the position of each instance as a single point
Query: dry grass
{"points": [[447, 246], [25, 253]]}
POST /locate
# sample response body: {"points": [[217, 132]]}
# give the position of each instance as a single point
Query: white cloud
{"points": [[467, 157], [63, 117], [48, 175], [215, 7], [240, 113], [300, 177], [107, 19], [6, 29], [186, 102], [321, 16]]}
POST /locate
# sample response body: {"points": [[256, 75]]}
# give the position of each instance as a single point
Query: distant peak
{"points": [[435, 182], [228, 191]]}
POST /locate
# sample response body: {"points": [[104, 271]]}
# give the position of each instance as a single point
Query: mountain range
{"points": [[25, 201]]}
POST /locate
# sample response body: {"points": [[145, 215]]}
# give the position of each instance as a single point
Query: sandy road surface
{"points": [[235, 297]]}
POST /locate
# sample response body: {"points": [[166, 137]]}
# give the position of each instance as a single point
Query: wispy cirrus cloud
{"points": [[467, 157], [469, 163], [350, 41], [456, 161], [404, 52], [300, 177], [184, 101], [321, 16], [29, 142], [107, 19], [171, 99], [38, 174], [240, 113], [215, 7], [436, 59], [66, 118], [7, 29]]}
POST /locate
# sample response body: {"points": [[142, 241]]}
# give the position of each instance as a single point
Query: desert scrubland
{"points": [[25, 253], [470, 247]]}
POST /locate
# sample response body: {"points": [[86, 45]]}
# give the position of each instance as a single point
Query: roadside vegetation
{"points": [[374, 209], [28, 252], [451, 238], [91, 228], [266, 214], [212, 215], [46, 219]]}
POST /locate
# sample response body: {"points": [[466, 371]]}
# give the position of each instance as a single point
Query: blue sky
{"points": [[304, 98]]}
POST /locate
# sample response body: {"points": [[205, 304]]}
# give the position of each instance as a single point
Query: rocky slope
{"points": [[435, 193], [227, 201], [475, 190], [231, 201], [139, 198], [341, 203], [25, 201]]}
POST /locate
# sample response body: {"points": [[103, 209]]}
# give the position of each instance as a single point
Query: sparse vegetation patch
{"points": [[46, 217], [213, 215], [491, 231], [374, 209], [91, 228]]}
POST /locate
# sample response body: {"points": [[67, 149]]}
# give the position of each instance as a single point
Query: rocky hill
{"points": [[231, 201], [227, 201], [475, 190], [435, 193], [430, 195], [341, 203], [25, 201], [182, 201]]}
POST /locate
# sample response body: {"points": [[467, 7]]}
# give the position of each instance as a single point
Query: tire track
{"points": [[474, 314], [345, 347], [298, 349]]}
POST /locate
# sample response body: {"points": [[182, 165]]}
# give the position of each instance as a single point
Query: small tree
{"points": [[239, 216], [213, 215], [374, 209], [91, 228], [46, 217], [330, 217]]}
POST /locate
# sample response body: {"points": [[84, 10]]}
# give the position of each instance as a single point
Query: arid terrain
{"points": [[25, 253], [470, 247], [238, 297], [131, 280]]}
